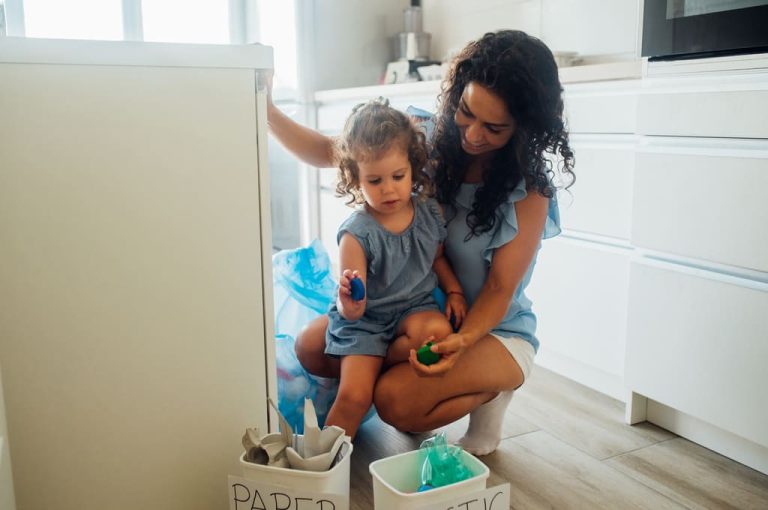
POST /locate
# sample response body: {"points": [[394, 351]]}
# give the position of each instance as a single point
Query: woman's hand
{"points": [[456, 306], [450, 348]]}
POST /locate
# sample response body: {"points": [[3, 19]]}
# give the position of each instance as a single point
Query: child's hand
{"points": [[455, 305], [345, 282], [349, 308]]}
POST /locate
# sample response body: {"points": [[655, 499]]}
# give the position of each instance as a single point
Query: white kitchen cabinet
{"points": [[579, 292], [697, 343], [135, 305], [580, 286], [696, 325]]}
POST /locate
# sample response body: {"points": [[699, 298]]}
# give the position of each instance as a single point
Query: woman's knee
{"points": [[310, 345], [392, 405]]}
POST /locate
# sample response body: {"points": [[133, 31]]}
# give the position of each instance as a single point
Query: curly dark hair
{"points": [[521, 70], [371, 130]]}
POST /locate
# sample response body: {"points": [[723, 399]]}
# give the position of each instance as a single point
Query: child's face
{"points": [[386, 182], [483, 120]]}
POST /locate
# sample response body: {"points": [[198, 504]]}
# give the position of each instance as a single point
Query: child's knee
{"points": [[437, 327], [441, 329], [354, 399]]}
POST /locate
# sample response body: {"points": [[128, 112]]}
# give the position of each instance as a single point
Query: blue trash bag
{"points": [[303, 287], [294, 384], [303, 290]]}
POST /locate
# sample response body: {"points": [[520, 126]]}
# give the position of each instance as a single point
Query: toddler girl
{"points": [[393, 244]]}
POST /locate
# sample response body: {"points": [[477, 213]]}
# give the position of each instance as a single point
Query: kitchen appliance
{"points": [[675, 29], [413, 43], [411, 48]]}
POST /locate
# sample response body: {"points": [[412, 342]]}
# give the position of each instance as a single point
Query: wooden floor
{"points": [[566, 446]]}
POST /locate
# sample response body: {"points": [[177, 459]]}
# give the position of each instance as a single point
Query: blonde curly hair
{"points": [[372, 129]]}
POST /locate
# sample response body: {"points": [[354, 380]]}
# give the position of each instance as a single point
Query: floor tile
{"points": [[581, 416], [695, 476], [544, 472]]}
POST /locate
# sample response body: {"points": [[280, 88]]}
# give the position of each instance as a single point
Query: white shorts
{"points": [[521, 350]]}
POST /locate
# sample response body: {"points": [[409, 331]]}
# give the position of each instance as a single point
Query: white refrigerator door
{"points": [[134, 275]]}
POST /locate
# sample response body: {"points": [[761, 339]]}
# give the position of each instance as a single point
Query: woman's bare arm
{"points": [[306, 144], [510, 262]]}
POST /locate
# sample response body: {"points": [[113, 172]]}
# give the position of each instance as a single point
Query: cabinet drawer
{"points": [[696, 342], [602, 107], [579, 293], [733, 107], [706, 203], [600, 201]]}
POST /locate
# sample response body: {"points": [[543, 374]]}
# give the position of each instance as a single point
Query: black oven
{"points": [[702, 28]]}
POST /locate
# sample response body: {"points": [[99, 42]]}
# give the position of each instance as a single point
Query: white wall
{"points": [[354, 40], [453, 23], [589, 27]]}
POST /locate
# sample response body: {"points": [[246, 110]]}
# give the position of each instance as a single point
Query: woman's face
{"points": [[483, 120]]}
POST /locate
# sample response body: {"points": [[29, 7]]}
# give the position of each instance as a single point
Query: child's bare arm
{"points": [[354, 264], [455, 303]]}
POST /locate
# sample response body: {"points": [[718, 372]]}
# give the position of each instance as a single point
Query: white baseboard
{"points": [[716, 439], [591, 377]]}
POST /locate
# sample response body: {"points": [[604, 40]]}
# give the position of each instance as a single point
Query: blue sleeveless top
{"points": [[471, 258]]}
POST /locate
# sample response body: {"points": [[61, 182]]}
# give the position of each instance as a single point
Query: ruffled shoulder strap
{"points": [[435, 218], [507, 216]]}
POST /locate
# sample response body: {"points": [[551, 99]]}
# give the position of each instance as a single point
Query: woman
{"points": [[500, 112]]}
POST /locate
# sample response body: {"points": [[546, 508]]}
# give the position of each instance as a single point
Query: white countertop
{"points": [[25, 50], [623, 70]]}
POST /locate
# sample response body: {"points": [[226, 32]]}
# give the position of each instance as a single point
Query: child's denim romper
{"points": [[399, 277]]}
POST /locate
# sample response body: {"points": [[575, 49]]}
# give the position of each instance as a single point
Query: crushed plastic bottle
{"points": [[442, 464]]}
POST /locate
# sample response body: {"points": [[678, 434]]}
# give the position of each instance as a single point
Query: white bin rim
{"points": [[481, 470]]}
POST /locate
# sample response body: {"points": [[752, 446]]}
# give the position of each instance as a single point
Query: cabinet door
{"points": [[131, 305], [579, 294], [696, 342], [600, 201], [608, 107]]}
